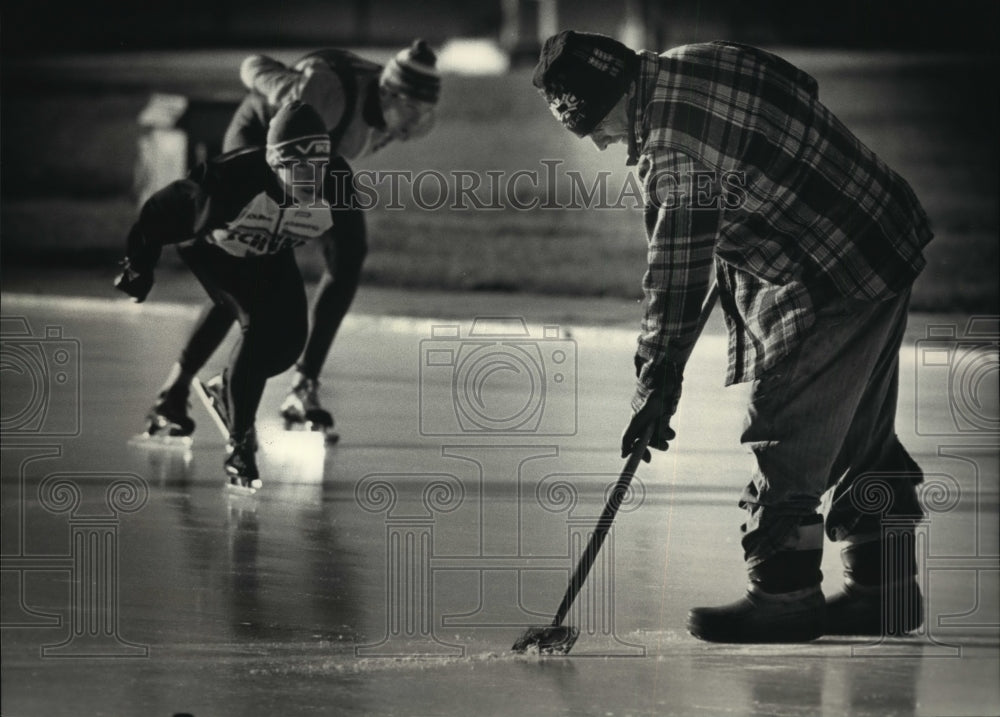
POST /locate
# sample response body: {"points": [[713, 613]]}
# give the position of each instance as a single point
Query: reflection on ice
{"points": [[168, 459], [290, 456]]}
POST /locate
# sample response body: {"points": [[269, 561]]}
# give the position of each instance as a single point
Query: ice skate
{"points": [[241, 463], [241, 459], [168, 422], [301, 409], [214, 394]]}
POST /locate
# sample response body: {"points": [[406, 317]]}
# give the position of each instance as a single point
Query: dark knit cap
{"points": [[583, 75], [297, 132], [412, 73]]}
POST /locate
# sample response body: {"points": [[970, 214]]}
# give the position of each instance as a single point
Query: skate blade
{"points": [[160, 440], [202, 394], [330, 436], [548, 640], [240, 489]]}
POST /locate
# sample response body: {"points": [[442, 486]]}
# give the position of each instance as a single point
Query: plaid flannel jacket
{"points": [[744, 169]]}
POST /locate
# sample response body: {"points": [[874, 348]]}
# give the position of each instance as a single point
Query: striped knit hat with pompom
{"points": [[412, 73]]}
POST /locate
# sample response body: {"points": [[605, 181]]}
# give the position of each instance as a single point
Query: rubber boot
{"points": [[878, 600], [783, 602]]}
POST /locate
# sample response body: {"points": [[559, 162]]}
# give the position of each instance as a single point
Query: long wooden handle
{"points": [[615, 500]]}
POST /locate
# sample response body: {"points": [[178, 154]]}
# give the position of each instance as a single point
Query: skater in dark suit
{"points": [[364, 106], [236, 221], [814, 244]]}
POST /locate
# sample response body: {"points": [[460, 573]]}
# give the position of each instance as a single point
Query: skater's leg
{"points": [[271, 305], [344, 254], [209, 332], [273, 332], [267, 297], [334, 296], [169, 414]]}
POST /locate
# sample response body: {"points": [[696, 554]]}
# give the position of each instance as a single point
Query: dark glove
{"points": [[654, 408], [133, 282], [656, 413]]}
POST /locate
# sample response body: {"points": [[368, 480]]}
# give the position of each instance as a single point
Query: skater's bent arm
{"points": [[681, 225], [167, 217], [313, 81], [267, 76]]}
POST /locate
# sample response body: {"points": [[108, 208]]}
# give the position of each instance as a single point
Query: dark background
{"points": [[917, 82], [44, 26]]}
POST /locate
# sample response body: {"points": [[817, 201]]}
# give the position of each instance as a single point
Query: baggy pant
{"points": [[824, 418], [267, 297]]}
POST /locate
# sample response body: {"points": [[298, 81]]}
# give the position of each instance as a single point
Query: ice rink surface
{"points": [[389, 575]]}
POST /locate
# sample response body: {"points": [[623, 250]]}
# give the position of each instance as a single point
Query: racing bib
{"points": [[263, 227]]}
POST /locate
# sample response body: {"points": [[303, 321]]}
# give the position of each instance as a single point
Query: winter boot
{"points": [[241, 463], [169, 416], [881, 595], [302, 407], [783, 602]]}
